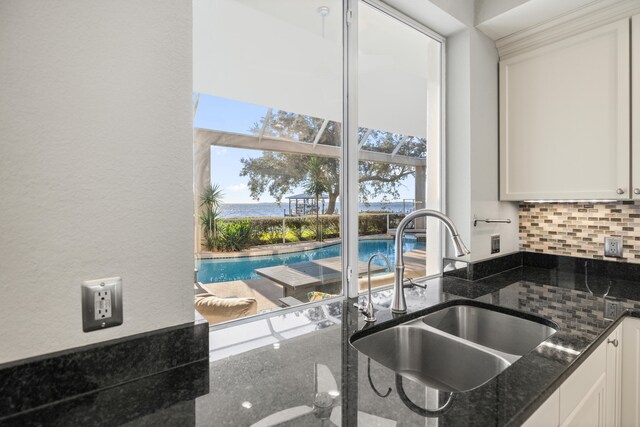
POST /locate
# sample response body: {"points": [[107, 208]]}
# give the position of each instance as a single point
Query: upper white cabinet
{"points": [[565, 118], [635, 106]]}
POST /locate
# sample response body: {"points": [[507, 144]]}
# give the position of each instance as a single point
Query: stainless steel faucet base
{"points": [[367, 311]]}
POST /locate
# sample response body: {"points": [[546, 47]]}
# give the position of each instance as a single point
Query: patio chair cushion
{"points": [[215, 309], [319, 296]]}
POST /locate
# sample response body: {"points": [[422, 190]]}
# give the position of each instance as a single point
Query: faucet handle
{"points": [[412, 284], [367, 312]]}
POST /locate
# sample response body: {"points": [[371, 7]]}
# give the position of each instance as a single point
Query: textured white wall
{"points": [[484, 152], [458, 137], [95, 166], [472, 145]]}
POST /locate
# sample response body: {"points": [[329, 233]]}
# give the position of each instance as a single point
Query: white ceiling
{"points": [[273, 53], [496, 21], [495, 18]]}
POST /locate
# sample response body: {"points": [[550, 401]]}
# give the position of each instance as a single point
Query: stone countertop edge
{"points": [[527, 410], [524, 414], [73, 373]]}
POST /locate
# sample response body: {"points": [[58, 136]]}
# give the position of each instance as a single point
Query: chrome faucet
{"points": [[399, 304], [367, 310]]}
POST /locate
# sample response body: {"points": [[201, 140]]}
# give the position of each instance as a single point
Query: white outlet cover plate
{"points": [[90, 290]]}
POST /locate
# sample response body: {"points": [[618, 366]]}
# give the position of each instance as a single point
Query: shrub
{"points": [[394, 219], [296, 226], [372, 224], [209, 242], [330, 226], [235, 236]]}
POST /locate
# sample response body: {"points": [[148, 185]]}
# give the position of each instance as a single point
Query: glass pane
{"points": [[216, 113], [268, 87], [396, 63]]}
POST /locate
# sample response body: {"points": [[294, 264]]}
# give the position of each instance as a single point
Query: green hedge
{"points": [[253, 231]]}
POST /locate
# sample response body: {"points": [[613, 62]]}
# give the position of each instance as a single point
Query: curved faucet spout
{"points": [[399, 304]]}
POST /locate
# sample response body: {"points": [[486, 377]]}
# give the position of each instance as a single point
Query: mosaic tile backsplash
{"points": [[579, 229]]}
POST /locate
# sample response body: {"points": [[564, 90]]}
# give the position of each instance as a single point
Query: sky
{"points": [[234, 116]]}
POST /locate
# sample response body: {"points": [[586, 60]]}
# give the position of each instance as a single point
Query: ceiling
{"points": [[495, 18]]}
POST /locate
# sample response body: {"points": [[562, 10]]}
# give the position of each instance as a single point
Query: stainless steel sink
{"points": [[432, 359], [489, 328], [457, 348]]}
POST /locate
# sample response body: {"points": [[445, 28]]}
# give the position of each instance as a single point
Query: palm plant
{"points": [[210, 201], [316, 183], [211, 197]]}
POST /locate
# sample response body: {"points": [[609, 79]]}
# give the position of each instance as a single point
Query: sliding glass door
{"points": [[268, 136], [399, 140], [315, 131]]}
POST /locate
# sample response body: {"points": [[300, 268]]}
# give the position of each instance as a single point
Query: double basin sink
{"points": [[458, 347]]}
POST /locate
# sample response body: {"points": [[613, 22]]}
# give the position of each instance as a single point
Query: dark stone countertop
{"points": [[255, 375], [260, 369]]}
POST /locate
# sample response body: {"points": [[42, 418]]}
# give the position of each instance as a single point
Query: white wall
{"points": [[95, 166], [484, 152], [458, 136], [472, 145]]}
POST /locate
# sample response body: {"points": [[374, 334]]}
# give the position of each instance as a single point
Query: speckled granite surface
{"points": [[263, 383], [109, 383], [271, 370]]}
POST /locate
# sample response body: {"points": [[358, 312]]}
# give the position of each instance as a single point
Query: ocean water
{"points": [[235, 210]]}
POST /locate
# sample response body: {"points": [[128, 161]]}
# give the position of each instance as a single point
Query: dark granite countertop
{"points": [[264, 376], [268, 370]]}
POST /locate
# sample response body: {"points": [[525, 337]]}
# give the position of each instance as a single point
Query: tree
{"points": [[279, 173], [316, 184]]}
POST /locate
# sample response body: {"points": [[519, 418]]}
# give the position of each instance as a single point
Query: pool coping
{"points": [[284, 248]]}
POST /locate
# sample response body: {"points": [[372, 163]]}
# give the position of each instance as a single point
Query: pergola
{"points": [[204, 139]]}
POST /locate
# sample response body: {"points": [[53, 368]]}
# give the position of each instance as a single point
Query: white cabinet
{"points": [[614, 376], [583, 396], [546, 414], [590, 396], [565, 118], [630, 408], [635, 106]]}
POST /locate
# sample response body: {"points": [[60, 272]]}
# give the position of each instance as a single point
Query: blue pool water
{"points": [[224, 270]]}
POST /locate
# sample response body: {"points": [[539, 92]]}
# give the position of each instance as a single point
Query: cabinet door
{"points": [[583, 396], [614, 368], [564, 118], [630, 410], [591, 410], [635, 106], [547, 414]]}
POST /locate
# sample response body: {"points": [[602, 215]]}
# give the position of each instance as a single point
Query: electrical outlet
{"points": [[101, 303], [610, 309], [495, 243], [613, 246]]}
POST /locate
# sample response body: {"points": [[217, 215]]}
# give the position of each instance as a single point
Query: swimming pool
{"points": [[227, 269]]}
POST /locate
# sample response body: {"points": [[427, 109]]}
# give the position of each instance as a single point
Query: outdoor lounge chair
{"points": [[216, 309]]}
